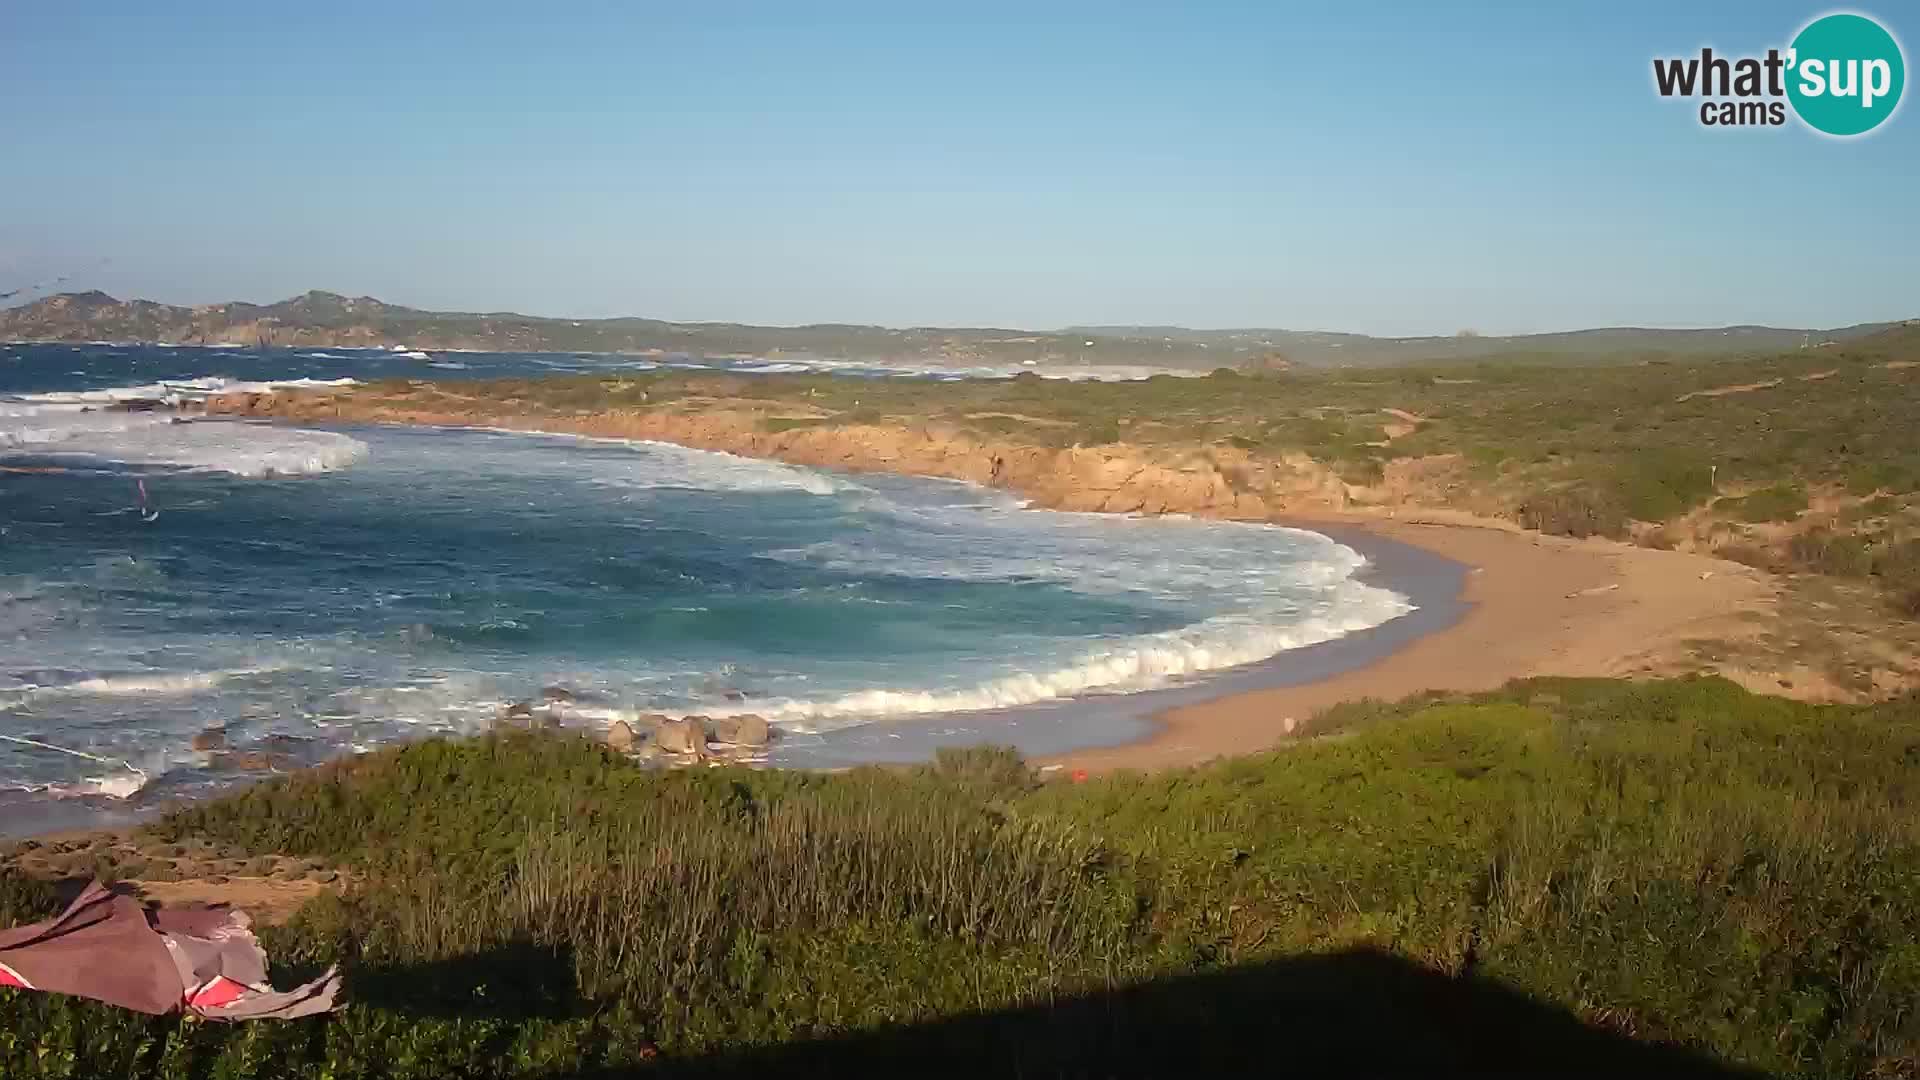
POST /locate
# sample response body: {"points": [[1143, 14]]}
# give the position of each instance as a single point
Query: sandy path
{"points": [[1539, 605]]}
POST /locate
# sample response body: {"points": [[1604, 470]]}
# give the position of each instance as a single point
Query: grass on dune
{"points": [[1677, 861]]}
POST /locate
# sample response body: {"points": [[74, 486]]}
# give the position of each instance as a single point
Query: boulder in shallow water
{"points": [[747, 729], [620, 736], [213, 738]]}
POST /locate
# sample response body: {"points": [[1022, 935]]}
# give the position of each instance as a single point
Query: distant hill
{"points": [[1623, 343], [318, 319], [323, 319]]}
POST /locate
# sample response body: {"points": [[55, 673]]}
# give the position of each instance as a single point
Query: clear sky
{"points": [[1376, 167]]}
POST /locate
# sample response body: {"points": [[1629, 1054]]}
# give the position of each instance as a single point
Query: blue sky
{"points": [[1377, 167]]}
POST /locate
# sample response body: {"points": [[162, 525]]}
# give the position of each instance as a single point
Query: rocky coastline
{"points": [[1203, 481]]}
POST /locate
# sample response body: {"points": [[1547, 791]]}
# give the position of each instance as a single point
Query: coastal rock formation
{"points": [[620, 736], [746, 730], [1214, 481], [688, 736]]}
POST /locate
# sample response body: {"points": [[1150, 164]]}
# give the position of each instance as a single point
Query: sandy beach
{"points": [[1535, 605]]}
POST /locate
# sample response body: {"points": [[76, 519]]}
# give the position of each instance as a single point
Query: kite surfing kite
{"points": [[200, 959]]}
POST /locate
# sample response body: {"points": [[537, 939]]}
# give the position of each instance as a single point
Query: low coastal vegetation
{"points": [[1564, 875]]}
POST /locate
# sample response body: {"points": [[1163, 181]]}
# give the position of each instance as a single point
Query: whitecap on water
{"points": [[142, 439], [81, 424], [665, 465]]}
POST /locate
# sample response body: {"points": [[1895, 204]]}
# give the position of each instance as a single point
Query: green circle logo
{"points": [[1845, 74]]}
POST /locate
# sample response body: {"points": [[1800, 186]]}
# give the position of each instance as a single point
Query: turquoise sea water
{"points": [[320, 590]]}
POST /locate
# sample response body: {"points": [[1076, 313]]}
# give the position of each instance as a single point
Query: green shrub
{"points": [[1577, 512], [24, 899], [1781, 502], [1824, 551], [1658, 484], [1681, 860], [1897, 474], [777, 424]]}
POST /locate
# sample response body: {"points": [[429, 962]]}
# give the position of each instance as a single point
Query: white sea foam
{"points": [[151, 684], [1093, 553], [772, 368], [665, 465], [170, 391], [121, 785], [1126, 666], [80, 423], [236, 447]]}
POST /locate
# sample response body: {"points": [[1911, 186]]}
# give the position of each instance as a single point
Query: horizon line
{"points": [[15, 304]]}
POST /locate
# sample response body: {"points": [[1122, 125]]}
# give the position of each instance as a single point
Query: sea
{"points": [[316, 590]]}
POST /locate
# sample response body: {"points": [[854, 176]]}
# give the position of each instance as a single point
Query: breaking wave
{"points": [[100, 426], [1128, 666], [148, 684], [667, 466]]}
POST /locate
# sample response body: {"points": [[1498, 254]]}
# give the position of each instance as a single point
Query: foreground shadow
{"points": [[1354, 1014], [520, 981]]}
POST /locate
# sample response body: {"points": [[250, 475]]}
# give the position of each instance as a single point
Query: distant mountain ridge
{"points": [[319, 319]]}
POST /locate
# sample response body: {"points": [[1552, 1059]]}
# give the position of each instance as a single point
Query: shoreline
{"points": [[1526, 604], [1522, 604], [1534, 605], [1050, 730]]}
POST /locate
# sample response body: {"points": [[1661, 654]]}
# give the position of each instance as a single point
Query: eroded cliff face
{"points": [[1213, 481]]}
